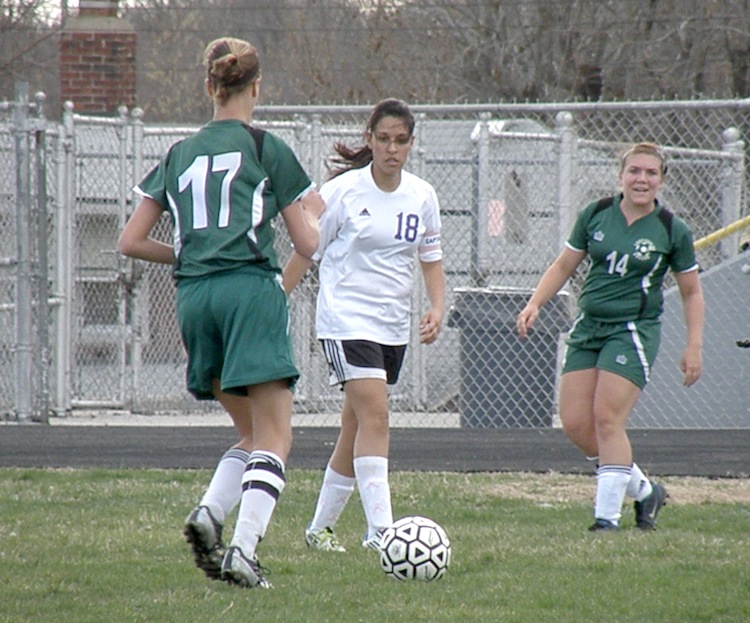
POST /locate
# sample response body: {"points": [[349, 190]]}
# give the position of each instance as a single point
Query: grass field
{"points": [[80, 546]]}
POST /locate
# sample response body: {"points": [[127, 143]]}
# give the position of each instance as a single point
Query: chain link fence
{"points": [[510, 179]]}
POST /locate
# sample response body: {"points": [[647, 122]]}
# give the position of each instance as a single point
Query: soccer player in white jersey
{"points": [[379, 218], [632, 241]]}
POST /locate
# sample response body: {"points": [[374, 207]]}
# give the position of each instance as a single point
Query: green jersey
{"points": [[628, 262], [223, 186]]}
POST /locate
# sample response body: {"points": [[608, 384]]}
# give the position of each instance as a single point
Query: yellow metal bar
{"points": [[722, 233]]}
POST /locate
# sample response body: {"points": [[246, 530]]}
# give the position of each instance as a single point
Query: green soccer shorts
{"points": [[235, 327], [627, 349]]}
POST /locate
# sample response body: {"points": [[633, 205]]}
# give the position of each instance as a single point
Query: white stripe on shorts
{"points": [[340, 370], [633, 328]]}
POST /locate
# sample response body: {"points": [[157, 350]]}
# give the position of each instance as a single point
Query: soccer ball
{"points": [[415, 548]]}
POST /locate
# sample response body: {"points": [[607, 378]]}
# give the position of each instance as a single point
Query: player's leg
{"points": [[369, 401], [576, 415], [365, 369], [337, 487], [614, 398], [626, 361], [263, 480], [258, 364], [577, 409], [223, 492], [578, 384], [343, 452], [200, 334], [204, 526], [577, 390]]}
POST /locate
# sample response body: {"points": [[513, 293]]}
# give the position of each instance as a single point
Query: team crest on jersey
{"points": [[643, 249], [598, 236]]}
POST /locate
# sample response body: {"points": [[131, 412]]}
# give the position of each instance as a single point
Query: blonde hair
{"points": [[231, 64], [651, 149]]}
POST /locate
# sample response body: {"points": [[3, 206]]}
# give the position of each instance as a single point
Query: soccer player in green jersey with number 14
{"points": [[631, 240], [222, 187]]}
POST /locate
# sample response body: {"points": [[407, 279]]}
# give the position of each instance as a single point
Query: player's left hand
{"points": [[691, 366], [429, 327]]}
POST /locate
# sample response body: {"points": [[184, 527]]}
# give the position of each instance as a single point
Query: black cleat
{"points": [[203, 533], [603, 525], [647, 510], [242, 571]]}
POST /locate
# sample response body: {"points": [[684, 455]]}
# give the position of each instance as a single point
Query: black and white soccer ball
{"points": [[415, 548]]}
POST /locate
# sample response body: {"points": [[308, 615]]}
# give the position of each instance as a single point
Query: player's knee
{"points": [[374, 421]]}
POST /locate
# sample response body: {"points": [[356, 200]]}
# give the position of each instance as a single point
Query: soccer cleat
{"points": [[323, 540], [242, 571], [203, 533], [647, 510], [373, 542], [603, 525]]}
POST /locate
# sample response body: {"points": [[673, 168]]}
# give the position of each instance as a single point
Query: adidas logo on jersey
{"points": [[365, 212]]}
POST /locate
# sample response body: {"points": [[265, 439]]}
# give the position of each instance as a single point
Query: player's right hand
{"points": [[526, 319], [313, 202]]}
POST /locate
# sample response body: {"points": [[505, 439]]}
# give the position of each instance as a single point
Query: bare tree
{"points": [[358, 51], [28, 47], [678, 49]]}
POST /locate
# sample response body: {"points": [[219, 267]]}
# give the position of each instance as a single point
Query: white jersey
{"points": [[368, 241]]}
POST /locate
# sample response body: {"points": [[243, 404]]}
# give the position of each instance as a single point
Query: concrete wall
{"points": [[722, 395]]}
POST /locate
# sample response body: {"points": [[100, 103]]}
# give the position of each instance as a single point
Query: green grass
{"points": [[80, 546]]}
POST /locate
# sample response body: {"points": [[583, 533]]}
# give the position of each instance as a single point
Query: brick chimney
{"points": [[97, 59]]}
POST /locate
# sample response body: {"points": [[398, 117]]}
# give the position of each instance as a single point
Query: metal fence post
{"points": [[479, 269], [129, 269], [64, 263], [419, 367], [317, 162], [565, 168], [731, 188], [121, 131], [23, 308], [42, 298]]}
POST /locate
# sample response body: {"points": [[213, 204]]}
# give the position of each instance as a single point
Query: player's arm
{"points": [[552, 280], [692, 303], [434, 281], [135, 239], [301, 220], [294, 270]]}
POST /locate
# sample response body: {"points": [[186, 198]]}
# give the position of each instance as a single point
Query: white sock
{"points": [[372, 481], [611, 482], [225, 488], [639, 487], [334, 494], [262, 485]]}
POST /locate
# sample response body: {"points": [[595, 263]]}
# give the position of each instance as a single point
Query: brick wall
{"points": [[97, 59]]}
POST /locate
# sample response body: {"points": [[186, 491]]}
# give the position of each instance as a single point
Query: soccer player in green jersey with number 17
{"points": [[631, 240], [222, 187]]}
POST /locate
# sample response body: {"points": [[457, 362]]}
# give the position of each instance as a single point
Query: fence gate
{"points": [[100, 329], [25, 246]]}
